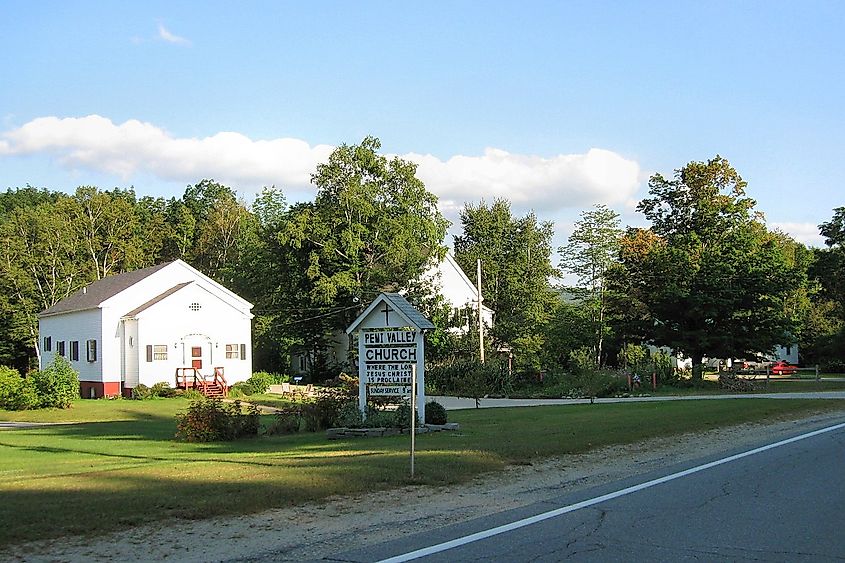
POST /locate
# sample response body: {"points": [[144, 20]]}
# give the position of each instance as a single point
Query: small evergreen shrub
{"points": [[57, 385], [16, 393], [214, 421], [141, 392], [435, 413], [598, 383]]}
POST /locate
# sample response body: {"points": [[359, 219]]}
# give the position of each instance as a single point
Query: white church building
{"points": [[140, 327]]}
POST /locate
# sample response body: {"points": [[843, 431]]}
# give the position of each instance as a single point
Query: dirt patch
{"points": [[314, 531]]}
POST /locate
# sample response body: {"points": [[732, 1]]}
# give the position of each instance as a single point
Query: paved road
{"points": [[785, 503]]}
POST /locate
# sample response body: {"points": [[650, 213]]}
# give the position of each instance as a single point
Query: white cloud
{"points": [[134, 147], [566, 180], [807, 233], [165, 35]]}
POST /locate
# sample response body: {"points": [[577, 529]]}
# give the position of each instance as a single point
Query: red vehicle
{"points": [[781, 367]]}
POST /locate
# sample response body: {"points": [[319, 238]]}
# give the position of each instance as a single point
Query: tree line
{"points": [[706, 279]]}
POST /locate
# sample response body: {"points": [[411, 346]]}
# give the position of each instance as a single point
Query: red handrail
{"points": [[220, 380], [183, 377], [192, 378]]}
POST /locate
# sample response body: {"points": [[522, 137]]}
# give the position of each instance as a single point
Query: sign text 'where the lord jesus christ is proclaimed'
{"points": [[387, 359]]}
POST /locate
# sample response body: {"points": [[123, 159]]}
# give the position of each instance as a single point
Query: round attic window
{"points": [[194, 306]]}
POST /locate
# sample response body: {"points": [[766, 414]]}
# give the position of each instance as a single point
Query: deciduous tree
{"points": [[709, 279], [372, 227], [593, 248], [516, 264]]}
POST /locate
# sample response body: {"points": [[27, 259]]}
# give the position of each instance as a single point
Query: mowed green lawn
{"points": [[120, 466], [776, 384]]}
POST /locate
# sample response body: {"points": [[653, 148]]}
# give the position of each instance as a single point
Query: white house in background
{"points": [[458, 290], [139, 327], [449, 279]]}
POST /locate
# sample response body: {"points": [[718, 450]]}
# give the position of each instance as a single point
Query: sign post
{"points": [[413, 415]]}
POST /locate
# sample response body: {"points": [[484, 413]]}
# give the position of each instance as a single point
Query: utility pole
{"points": [[480, 318]]}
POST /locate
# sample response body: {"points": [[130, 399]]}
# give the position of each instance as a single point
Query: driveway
{"points": [[456, 403], [4, 425]]}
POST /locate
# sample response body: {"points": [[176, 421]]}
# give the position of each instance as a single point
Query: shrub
{"points": [[435, 413], [582, 361], [241, 389], [402, 416], [16, 393], [324, 411], [213, 421], [662, 367], [57, 385], [380, 419], [244, 424], [162, 389], [732, 382], [279, 378], [833, 366], [598, 383], [350, 416], [288, 420], [190, 394], [349, 383], [141, 392], [469, 378], [260, 381]]}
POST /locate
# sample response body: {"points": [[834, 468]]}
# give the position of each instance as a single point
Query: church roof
{"points": [[157, 299], [399, 304], [90, 296]]}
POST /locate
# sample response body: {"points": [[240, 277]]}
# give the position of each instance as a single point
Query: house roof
{"points": [[90, 296], [400, 305], [156, 299], [453, 263]]}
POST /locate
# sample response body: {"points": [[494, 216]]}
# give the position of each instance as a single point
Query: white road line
{"points": [[593, 501]]}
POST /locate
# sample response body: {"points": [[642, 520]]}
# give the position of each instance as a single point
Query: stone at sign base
{"points": [[447, 426], [337, 433]]}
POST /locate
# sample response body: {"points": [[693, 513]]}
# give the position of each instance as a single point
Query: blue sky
{"points": [[555, 105]]}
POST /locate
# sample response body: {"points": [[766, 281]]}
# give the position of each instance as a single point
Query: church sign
{"points": [[387, 358], [390, 346]]}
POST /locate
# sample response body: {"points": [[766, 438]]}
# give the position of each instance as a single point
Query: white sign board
{"points": [[386, 359], [390, 345]]}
